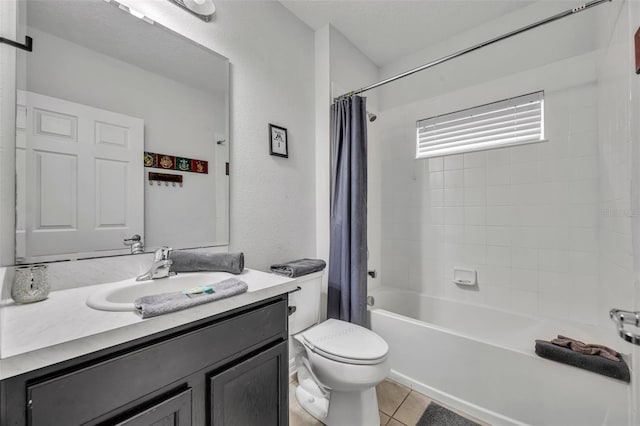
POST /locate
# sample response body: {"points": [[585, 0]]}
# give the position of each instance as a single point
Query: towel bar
{"points": [[621, 317]]}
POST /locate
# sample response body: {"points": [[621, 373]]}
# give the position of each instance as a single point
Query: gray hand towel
{"points": [[158, 304], [297, 268], [594, 363], [196, 261]]}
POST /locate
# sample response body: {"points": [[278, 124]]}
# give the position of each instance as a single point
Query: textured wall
{"points": [[272, 65]]}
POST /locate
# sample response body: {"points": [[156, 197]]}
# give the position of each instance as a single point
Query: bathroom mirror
{"points": [[121, 130]]}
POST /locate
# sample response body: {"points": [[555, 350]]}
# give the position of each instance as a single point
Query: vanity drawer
{"points": [[88, 393]]}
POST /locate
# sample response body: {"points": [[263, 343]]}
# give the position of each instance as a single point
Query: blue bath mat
{"points": [[437, 415]]}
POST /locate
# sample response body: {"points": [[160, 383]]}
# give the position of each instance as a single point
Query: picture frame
{"points": [[278, 141]]}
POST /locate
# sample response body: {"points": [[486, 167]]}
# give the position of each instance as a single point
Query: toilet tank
{"points": [[307, 302]]}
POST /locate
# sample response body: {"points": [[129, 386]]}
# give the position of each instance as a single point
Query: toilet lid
{"points": [[341, 340]]}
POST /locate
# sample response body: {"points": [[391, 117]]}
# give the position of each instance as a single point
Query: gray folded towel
{"points": [[158, 304], [297, 268], [594, 363], [195, 261]]}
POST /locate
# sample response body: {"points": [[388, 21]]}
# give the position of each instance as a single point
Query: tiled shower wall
{"points": [[526, 217], [615, 163]]}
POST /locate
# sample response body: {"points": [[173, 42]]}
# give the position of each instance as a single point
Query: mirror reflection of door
{"points": [[99, 89], [79, 176]]}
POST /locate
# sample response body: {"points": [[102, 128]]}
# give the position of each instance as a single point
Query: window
{"points": [[510, 122]]}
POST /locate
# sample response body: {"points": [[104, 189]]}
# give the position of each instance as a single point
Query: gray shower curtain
{"points": [[347, 292]]}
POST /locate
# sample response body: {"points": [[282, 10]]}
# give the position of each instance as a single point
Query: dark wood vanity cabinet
{"points": [[231, 369], [248, 393], [174, 411]]}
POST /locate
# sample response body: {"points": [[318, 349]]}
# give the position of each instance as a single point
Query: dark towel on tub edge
{"points": [[596, 364], [298, 268]]}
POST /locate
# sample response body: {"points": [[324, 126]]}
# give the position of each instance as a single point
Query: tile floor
{"points": [[398, 404]]}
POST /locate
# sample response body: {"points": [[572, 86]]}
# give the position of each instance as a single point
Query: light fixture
{"points": [[203, 9], [131, 11]]}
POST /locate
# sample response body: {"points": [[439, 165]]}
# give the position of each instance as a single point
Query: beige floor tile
{"points": [[384, 419], [394, 422], [297, 415], [412, 408], [390, 396]]}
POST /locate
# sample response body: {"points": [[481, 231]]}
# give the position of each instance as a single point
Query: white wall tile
{"points": [[498, 235], [435, 164], [454, 215], [436, 198], [525, 237], [500, 215], [499, 195], [436, 180], [475, 178], [453, 179], [524, 173], [475, 159], [524, 301], [453, 162], [475, 196], [498, 157], [454, 197], [475, 215], [499, 175], [524, 153], [475, 234], [524, 279], [524, 258], [535, 221], [499, 256]]}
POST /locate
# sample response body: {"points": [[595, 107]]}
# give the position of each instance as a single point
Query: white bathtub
{"points": [[482, 361]]}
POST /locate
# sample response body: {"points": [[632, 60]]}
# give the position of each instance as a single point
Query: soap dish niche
{"points": [[465, 277]]}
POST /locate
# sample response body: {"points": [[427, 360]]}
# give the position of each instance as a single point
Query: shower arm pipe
{"points": [[444, 59]]}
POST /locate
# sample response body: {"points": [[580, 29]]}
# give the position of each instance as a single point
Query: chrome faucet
{"points": [[136, 244], [161, 266]]}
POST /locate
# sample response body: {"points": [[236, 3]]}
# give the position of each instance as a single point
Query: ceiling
{"points": [[388, 30], [106, 29]]}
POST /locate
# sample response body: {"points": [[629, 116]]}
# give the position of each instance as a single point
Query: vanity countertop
{"points": [[63, 327]]}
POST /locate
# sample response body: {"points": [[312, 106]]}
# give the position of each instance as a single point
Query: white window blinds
{"points": [[513, 121]]}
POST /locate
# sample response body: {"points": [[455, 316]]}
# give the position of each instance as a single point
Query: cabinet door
{"points": [[253, 392], [175, 411]]}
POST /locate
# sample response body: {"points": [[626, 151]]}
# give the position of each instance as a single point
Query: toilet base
{"points": [[315, 405], [353, 408], [341, 408]]}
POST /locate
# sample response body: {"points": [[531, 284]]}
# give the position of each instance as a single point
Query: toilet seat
{"points": [[345, 342]]}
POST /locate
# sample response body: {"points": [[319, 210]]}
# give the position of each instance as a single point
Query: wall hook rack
{"points": [[166, 178], [28, 43]]}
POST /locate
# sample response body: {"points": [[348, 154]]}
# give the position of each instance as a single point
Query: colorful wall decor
{"points": [[171, 162]]}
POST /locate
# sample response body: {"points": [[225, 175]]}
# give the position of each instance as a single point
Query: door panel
{"points": [[82, 178]]}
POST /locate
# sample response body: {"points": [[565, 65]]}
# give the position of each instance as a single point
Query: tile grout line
{"points": [[400, 405]]}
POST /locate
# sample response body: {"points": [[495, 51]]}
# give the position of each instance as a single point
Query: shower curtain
{"points": [[347, 292]]}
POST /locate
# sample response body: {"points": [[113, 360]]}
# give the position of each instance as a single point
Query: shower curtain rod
{"points": [[553, 18]]}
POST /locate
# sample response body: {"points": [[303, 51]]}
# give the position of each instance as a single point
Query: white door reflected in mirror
{"points": [[101, 97]]}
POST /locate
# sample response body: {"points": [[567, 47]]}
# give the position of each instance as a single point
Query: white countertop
{"points": [[63, 327]]}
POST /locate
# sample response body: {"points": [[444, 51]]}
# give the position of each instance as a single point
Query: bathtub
{"points": [[482, 361]]}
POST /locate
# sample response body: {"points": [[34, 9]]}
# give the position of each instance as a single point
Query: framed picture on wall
{"points": [[278, 141]]}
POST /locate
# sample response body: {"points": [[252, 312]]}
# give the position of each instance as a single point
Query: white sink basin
{"points": [[120, 295]]}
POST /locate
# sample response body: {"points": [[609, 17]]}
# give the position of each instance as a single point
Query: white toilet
{"points": [[338, 363]]}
